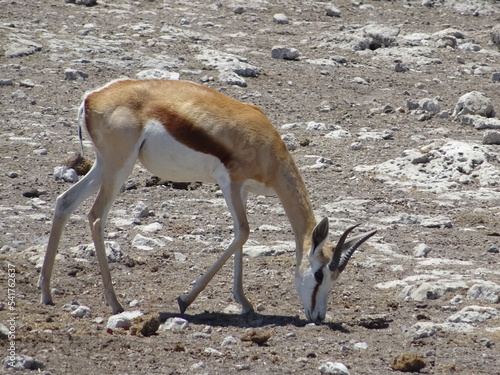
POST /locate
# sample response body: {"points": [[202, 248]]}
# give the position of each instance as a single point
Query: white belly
{"points": [[171, 160]]}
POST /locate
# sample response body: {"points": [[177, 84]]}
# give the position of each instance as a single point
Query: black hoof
{"points": [[182, 305]]}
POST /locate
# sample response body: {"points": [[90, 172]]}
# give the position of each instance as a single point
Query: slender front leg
{"points": [[232, 195], [238, 291], [66, 203]]}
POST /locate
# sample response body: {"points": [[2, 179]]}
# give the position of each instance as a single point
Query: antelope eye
{"points": [[318, 275]]}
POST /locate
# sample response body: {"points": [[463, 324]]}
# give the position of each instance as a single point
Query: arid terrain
{"points": [[363, 92]]}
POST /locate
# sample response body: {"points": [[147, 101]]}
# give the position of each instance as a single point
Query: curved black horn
{"points": [[348, 253], [334, 263]]}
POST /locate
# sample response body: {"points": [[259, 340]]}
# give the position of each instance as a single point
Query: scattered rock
{"points": [[20, 47], [473, 314], [431, 290], [436, 222], [231, 78], [65, 174], [175, 324], [480, 122], [227, 62], [484, 291], [19, 94], [157, 74], [408, 363], [73, 75], [123, 320], [146, 243], [491, 138], [114, 254], [332, 11], [140, 210], [421, 250], [381, 36], [22, 362], [280, 19], [229, 340], [495, 35], [4, 332], [82, 312], [333, 368], [474, 103], [6, 82], [87, 3], [284, 53]]}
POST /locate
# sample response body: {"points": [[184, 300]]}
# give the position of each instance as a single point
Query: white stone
{"points": [[485, 291], [140, 210], [361, 346], [180, 257], [421, 250], [280, 18], [113, 251], [228, 62], [333, 368], [290, 141], [175, 324], [473, 314], [449, 164], [312, 125], [422, 330], [65, 174], [153, 227], [284, 53], [360, 81], [229, 340], [157, 74], [436, 222], [332, 11], [270, 228], [341, 134], [198, 365], [214, 352], [431, 290], [491, 138], [145, 243], [475, 103], [290, 126], [260, 250], [82, 312], [391, 284], [123, 320], [22, 362], [231, 78]]}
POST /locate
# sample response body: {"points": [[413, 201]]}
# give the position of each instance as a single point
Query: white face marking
{"points": [[313, 291]]}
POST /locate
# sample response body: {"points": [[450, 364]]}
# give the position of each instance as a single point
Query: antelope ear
{"points": [[319, 235]]}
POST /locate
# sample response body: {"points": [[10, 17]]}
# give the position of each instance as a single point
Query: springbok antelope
{"points": [[182, 131]]}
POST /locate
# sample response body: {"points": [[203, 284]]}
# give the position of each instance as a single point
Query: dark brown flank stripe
{"points": [[186, 132]]}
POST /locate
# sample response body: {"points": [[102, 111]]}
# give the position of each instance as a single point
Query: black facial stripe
{"points": [[318, 275]]}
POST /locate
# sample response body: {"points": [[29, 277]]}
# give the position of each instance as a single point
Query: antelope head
{"points": [[314, 279]]}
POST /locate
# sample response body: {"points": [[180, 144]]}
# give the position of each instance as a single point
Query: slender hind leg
{"points": [[232, 195], [114, 176], [66, 203], [238, 291]]}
